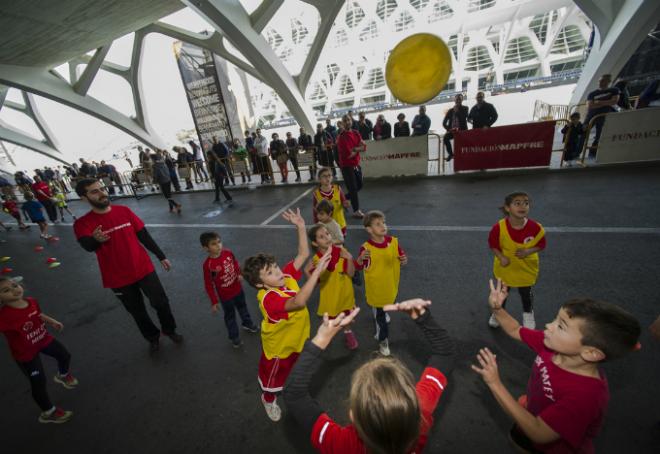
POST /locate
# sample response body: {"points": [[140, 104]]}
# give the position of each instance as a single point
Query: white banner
{"points": [[395, 157], [629, 136]]}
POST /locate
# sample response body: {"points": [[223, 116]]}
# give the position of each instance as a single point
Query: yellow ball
{"points": [[418, 68]]}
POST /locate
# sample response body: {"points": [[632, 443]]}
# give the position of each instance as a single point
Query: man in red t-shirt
{"points": [[567, 394], [42, 192], [115, 234], [349, 147]]}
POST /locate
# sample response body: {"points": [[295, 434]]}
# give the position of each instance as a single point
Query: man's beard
{"points": [[100, 204]]}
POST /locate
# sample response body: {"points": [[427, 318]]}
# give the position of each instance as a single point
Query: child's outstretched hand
{"points": [[498, 294], [294, 217], [329, 328], [57, 325], [488, 370], [414, 307]]}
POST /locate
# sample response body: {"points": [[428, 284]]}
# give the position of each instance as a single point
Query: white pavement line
{"points": [[287, 206], [410, 228]]}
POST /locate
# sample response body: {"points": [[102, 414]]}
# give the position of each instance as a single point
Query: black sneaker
{"points": [[154, 346], [176, 338], [252, 329], [236, 343]]}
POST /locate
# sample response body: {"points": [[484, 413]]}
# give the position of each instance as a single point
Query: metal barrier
{"points": [[587, 133]]}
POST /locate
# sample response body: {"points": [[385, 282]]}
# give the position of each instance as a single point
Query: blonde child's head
{"points": [[384, 407]]}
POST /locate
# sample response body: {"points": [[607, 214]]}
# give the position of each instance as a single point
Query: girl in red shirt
{"points": [[23, 324]]}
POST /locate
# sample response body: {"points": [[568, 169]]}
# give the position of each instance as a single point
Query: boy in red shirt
{"points": [[24, 326], [567, 394], [222, 278]]}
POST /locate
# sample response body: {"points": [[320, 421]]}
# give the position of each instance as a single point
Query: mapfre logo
{"points": [[28, 326]]}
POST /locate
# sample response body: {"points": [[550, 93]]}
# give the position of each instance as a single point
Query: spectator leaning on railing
{"points": [[364, 127], [455, 120], [600, 101], [401, 127], [382, 129], [482, 114], [421, 123], [305, 143]]}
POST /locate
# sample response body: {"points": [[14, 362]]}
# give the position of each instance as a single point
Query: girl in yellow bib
{"points": [[516, 241], [333, 194], [283, 305], [381, 258], [337, 295]]}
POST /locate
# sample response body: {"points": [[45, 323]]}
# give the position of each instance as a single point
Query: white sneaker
{"points": [[387, 318], [528, 320], [273, 411], [492, 321], [384, 348]]}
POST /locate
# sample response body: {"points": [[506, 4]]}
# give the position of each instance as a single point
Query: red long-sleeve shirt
{"points": [[221, 277], [346, 141]]}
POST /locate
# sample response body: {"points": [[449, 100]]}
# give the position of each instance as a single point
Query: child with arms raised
{"points": [[336, 294], [567, 394], [389, 412], [283, 304]]}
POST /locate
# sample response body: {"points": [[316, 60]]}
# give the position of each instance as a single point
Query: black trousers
{"points": [[166, 189], [293, 157], [218, 181], [263, 168], [34, 371], [51, 209], [447, 140], [132, 299], [353, 181], [527, 297], [598, 124]]}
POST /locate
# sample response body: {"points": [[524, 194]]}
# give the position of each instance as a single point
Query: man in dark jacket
{"points": [[221, 152], [292, 150], [455, 120], [421, 123], [324, 144], [382, 129], [365, 127], [482, 114]]}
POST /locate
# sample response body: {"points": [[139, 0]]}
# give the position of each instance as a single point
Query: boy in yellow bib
{"points": [[333, 194], [336, 295], [516, 242], [381, 258], [283, 305]]}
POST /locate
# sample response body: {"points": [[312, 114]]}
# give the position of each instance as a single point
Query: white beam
{"points": [[264, 13], [81, 86], [11, 135]]}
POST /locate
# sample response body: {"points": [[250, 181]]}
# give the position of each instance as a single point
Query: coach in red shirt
{"points": [[349, 146], [115, 233], [41, 191]]}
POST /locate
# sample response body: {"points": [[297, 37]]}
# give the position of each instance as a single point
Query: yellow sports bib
{"points": [[337, 293], [520, 272], [337, 207], [381, 278], [280, 338]]}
